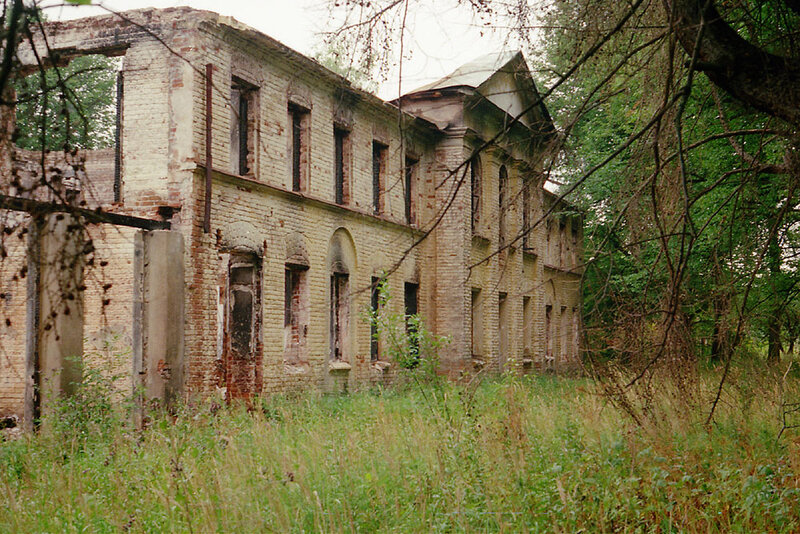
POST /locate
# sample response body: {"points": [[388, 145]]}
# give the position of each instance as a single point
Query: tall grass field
{"points": [[538, 454]]}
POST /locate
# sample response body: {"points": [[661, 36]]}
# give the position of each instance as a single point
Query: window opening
{"points": [[410, 189], [242, 126], [341, 140], [411, 294], [299, 123], [378, 169], [294, 315], [502, 190], [374, 342], [339, 315], [476, 187]]}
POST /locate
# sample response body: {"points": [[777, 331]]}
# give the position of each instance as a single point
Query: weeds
{"points": [[543, 454]]}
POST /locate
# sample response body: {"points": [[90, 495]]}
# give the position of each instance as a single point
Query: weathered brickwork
{"points": [[486, 291]]}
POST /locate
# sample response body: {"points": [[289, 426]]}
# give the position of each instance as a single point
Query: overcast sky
{"points": [[439, 39]]}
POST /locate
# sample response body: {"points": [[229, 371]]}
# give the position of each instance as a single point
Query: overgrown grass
{"points": [[542, 455]]}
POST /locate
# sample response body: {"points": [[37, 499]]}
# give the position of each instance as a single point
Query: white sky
{"points": [[438, 39]]}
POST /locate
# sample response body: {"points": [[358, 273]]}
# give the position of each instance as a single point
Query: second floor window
{"points": [[476, 187], [341, 142], [243, 105], [299, 124], [502, 203], [410, 189], [378, 170], [526, 215]]}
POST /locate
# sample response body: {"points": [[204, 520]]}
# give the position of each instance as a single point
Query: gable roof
{"points": [[483, 75], [472, 74]]}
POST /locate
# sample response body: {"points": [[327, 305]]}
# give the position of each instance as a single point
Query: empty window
{"points": [[243, 98], [548, 334], [476, 329], [526, 215], [295, 313], [378, 170], [502, 330], [341, 143], [411, 294], [502, 200], [340, 315], [476, 188], [527, 326], [239, 320], [242, 307], [562, 243], [575, 254], [375, 298], [410, 189], [576, 329], [299, 123], [564, 334]]}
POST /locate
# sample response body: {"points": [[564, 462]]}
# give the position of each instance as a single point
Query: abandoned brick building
{"points": [[290, 192]]}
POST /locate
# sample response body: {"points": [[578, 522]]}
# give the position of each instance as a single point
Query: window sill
{"points": [[338, 365], [480, 240], [299, 368], [381, 366], [478, 363]]}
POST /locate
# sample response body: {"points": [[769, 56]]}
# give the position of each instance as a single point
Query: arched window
{"points": [[341, 262]]}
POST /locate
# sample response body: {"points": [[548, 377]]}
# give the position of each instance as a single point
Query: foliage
{"points": [[69, 107], [540, 455]]}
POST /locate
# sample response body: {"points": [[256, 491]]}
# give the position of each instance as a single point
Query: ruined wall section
{"points": [[260, 213]]}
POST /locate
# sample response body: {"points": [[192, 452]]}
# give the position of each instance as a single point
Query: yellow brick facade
{"points": [[492, 305]]}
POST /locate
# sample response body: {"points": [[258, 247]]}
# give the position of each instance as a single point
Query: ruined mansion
{"points": [[253, 201]]}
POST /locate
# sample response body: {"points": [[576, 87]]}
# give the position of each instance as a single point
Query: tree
{"points": [[678, 131]]}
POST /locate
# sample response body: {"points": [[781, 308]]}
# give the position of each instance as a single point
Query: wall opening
{"points": [[241, 324], [476, 329], [340, 316], [410, 189], [411, 302], [299, 145], [295, 314], [244, 113], [564, 336], [527, 327], [502, 203], [342, 150], [502, 330], [378, 180], [375, 302], [548, 333], [526, 215], [476, 188]]}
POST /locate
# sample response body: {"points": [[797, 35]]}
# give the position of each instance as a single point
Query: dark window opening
{"points": [[339, 309], [411, 294], [503, 192], [294, 314], [243, 98], [374, 341], [476, 327], [502, 330], [476, 188], [299, 147], [526, 215], [378, 170], [239, 315], [410, 189], [341, 140], [242, 307], [548, 335], [118, 139]]}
